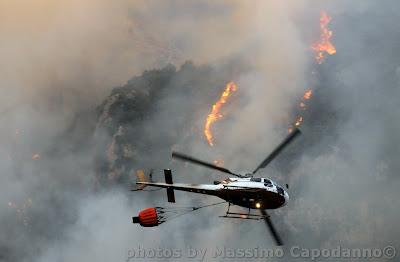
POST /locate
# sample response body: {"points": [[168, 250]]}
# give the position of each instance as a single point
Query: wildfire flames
{"points": [[307, 95], [324, 45], [215, 113], [302, 105]]}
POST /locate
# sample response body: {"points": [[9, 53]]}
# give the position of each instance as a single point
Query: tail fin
{"points": [[168, 180], [141, 177]]}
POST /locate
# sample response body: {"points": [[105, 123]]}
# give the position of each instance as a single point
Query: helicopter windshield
{"points": [[267, 181]]}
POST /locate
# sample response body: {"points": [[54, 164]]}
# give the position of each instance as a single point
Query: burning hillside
{"points": [[129, 111], [216, 113], [321, 47], [58, 204]]}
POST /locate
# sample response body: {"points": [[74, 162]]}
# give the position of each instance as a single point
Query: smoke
{"points": [[61, 60]]}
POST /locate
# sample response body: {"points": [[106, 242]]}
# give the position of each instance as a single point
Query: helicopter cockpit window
{"points": [[255, 179], [267, 181], [280, 191]]}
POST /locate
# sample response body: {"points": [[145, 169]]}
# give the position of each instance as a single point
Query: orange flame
{"points": [[298, 121], [324, 45], [302, 105], [307, 95], [215, 111]]}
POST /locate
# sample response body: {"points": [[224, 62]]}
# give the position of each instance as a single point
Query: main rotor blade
{"points": [[278, 149], [202, 163], [271, 228]]}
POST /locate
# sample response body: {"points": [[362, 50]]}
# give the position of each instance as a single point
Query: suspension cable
{"points": [[178, 210]]}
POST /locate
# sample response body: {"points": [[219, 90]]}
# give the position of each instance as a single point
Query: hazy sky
{"points": [[64, 57]]}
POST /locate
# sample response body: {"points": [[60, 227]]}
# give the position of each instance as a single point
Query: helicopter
{"points": [[243, 190]]}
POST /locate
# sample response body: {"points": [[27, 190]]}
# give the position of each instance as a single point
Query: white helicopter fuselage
{"points": [[255, 193]]}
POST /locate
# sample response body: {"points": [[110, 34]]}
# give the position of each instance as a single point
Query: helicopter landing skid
{"points": [[247, 215]]}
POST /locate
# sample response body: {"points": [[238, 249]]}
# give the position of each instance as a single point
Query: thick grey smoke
{"points": [[61, 60]]}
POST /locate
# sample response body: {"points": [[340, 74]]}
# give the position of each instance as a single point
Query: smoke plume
{"points": [[94, 90]]}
